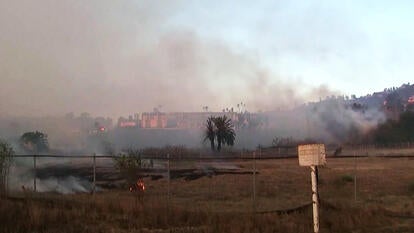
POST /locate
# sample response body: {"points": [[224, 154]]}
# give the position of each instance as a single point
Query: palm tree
{"points": [[210, 132], [225, 133]]}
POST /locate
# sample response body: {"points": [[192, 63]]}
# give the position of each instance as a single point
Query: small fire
{"points": [[139, 186]]}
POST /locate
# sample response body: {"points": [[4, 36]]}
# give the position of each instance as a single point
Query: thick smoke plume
{"points": [[112, 58]]}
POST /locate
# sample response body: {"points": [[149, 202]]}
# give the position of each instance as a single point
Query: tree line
{"points": [[393, 131]]}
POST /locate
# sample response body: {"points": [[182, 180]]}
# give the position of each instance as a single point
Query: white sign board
{"points": [[312, 155]]}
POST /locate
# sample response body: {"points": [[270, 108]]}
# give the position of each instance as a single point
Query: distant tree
{"points": [[210, 133], [394, 102], [6, 153], [85, 115], [220, 129], [35, 142], [225, 133], [394, 131]]}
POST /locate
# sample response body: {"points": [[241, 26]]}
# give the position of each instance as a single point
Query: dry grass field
{"points": [[219, 201]]}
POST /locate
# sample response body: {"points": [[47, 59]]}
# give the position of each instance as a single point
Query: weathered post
{"points": [[34, 173], [7, 183], [169, 178], [355, 177], [94, 174], [313, 155], [254, 182], [315, 199]]}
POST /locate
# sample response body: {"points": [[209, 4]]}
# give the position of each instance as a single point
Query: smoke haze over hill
{"points": [[116, 58], [112, 58]]}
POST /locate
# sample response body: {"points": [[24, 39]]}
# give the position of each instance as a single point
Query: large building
{"points": [[186, 120], [153, 120], [130, 122]]}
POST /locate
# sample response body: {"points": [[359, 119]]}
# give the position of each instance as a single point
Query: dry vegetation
{"points": [[224, 203]]}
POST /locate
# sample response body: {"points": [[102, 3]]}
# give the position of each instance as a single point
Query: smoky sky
{"points": [[113, 58]]}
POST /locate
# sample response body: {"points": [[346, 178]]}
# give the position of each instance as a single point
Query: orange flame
{"points": [[139, 186]]}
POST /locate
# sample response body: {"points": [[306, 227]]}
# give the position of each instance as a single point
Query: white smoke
{"points": [[21, 178]]}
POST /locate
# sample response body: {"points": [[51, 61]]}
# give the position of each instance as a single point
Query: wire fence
{"points": [[260, 181]]}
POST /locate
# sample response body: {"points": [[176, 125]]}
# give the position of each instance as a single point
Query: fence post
{"points": [[355, 177], [94, 174], [6, 182], [35, 173], [254, 182], [169, 179]]}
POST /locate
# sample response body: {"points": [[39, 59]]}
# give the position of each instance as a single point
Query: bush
{"points": [[6, 153], [130, 164], [347, 178], [344, 179]]}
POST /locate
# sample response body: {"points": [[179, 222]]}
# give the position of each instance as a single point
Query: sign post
{"points": [[313, 155], [315, 199]]}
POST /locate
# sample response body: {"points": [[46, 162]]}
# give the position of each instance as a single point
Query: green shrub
{"points": [[343, 180], [347, 178]]}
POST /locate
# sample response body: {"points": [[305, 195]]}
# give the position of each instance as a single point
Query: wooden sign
{"points": [[312, 155]]}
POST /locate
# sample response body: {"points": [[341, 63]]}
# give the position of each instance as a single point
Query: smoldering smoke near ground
{"points": [[22, 175]]}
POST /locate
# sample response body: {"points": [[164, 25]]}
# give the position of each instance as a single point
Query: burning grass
{"points": [[223, 202]]}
